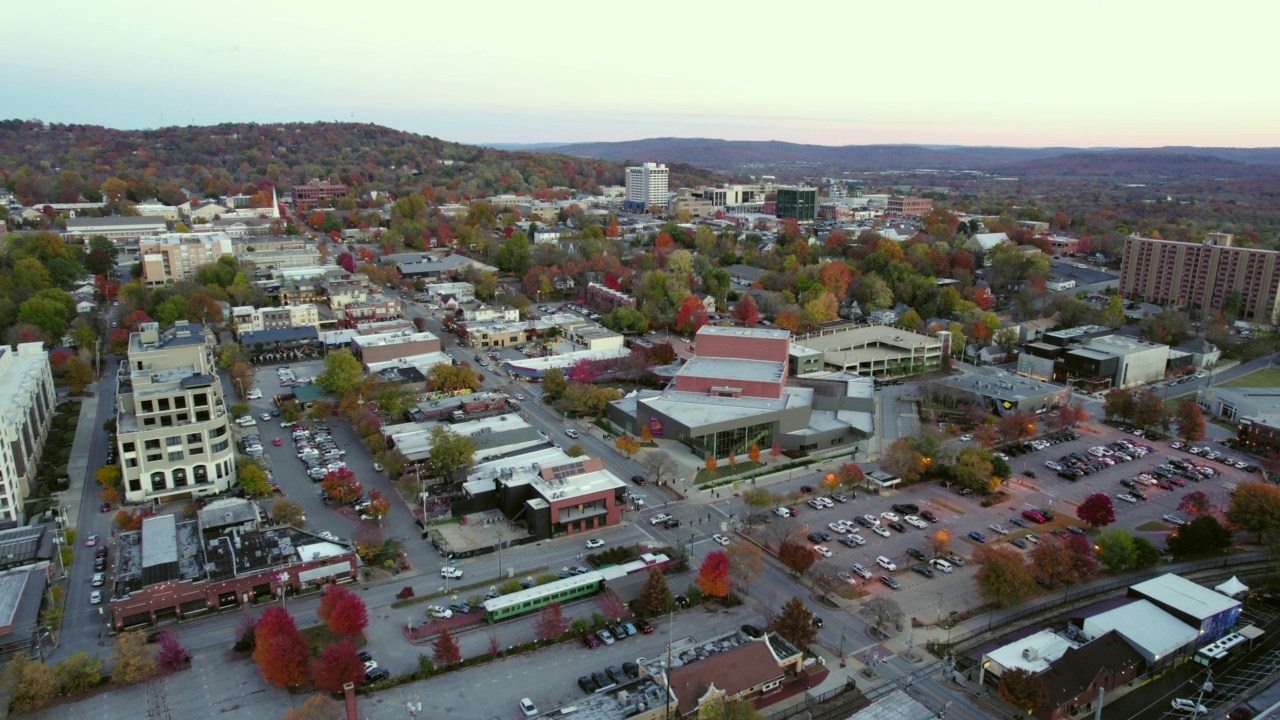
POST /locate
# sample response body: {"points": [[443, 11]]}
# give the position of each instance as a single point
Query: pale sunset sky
{"points": [[985, 72]]}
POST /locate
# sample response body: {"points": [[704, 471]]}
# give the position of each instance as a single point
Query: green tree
{"points": [[252, 479], [486, 285], [513, 254], [171, 311], [973, 469], [1116, 549], [1148, 553], [1113, 314], [554, 385], [48, 315], [448, 377], [795, 624], [451, 452], [901, 459], [342, 373], [288, 512], [79, 374], [1203, 534], [721, 709]]}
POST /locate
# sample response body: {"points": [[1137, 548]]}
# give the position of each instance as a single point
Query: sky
{"points": [[1128, 73]]}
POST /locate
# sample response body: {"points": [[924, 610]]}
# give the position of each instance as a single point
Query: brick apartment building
{"points": [[316, 192], [910, 206], [604, 300], [1203, 276], [375, 309]]}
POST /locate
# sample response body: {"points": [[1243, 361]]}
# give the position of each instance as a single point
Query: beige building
{"points": [[249, 318], [27, 398], [172, 425], [693, 202], [177, 256], [382, 347]]}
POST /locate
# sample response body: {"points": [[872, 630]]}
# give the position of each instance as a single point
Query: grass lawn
{"points": [[1267, 377], [318, 636], [1153, 526], [724, 471]]}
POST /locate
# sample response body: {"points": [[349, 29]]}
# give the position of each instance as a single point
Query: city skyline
{"points": [[988, 73]]}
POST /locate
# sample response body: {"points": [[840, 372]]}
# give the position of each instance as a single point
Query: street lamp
{"points": [[283, 578]]}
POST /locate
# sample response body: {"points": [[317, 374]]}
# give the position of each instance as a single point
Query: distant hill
{"points": [[734, 155]]}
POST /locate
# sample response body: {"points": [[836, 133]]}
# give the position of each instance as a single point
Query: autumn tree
{"points": [[1190, 422], [31, 684], [627, 444], [379, 505], [797, 556], [342, 611], [131, 659], [850, 475], [279, 649], [337, 665], [795, 624], [1003, 576], [1084, 561], [1053, 562], [79, 673], [171, 655], [711, 463], [1255, 508], [713, 578], [691, 316], [884, 610], [939, 542], [288, 512], [974, 469], [1022, 689], [449, 378], [341, 485], [721, 709], [745, 563], [901, 459], [445, 649], [1097, 510], [745, 311], [551, 623], [451, 452], [1195, 503], [753, 453], [655, 597]]}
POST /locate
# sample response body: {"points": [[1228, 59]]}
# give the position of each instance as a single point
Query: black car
{"points": [[1128, 483], [863, 521], [815, 538], [638, 479], [376, 675], [1018, 521], [588, 686], [824, 535], [615, 673], [927, 515], [631, 669], [752, 631], [916, 554], [1048, 516], [898, 526], [671, 523], [923, 570], [364, 656], [906, 509], [1029, 473], [600, 679], [1075, 529], [817, 621], [460, 608]]}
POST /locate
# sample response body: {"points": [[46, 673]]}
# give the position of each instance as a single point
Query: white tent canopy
{"points": [[1232, 587]]}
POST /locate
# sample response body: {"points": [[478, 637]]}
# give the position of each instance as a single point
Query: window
{"points": [[147, 406], [197, 450], [175, 456], [163, 403], [173, 440], [179, 477], [200, 400], [129, 447], [180, 402], [152, 444], [149, 422], [182, 417], [194, 437], [166, 421], [220, 446], [135, 485], [201, 474], [131, 463], [202, 416], [154, 457], [157, 481], [218, 431]]}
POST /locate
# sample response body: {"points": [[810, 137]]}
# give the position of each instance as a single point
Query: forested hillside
{"points": [[64, 163]]}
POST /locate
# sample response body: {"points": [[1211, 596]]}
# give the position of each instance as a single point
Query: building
{"points": [[287, 343], [27, 399], [22, 593], [551, 494], [1002, 393], [592, 336], [694, 203], [1208, 276], [749, 672], [223, 560], [266, 260], [797, 203], [1203, 354], [118, 229], [1159, 637], [374, 309], [1066, 245], [1073, 681], [178, 256], [444, 293], [384, 347], [1114, 361], [248, 318], [488, 313], [647, 186], [1210, 613], [605, 300], [910, 206], [316, 193], [172, 427], [877, 349]]}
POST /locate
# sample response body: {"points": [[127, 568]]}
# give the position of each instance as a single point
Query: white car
{"points": [[886, 563], [1053, 465], [1173, 519], [822, 550], [1126, 497], [660, 518], [839, 527], [265, 416], [722, 539], [891, 517], [915, 522], [527, 707], [254, 394], [998, 529], [882, 531], [95, 597], [595, 543], [966, 438], [940, 564], [856, 539], [439, 612], [861, 571], [1190, 706], [370, 665], [450, 572]]}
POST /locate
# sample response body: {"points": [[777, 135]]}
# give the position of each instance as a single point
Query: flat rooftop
{"points": [[1033, 653], [731, 369], [698, 409], [392, 338], [863, 343], [1118, 345], [728, 331], [1184, 596], [1001, 384]]}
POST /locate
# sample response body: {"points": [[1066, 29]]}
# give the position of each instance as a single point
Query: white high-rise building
{"points": [[647, 185], [27, 398]]}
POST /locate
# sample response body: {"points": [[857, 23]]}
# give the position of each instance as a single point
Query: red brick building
{"points": [[1065, 245], [910, 206], [1203, 276], [373, 310], [604, 300], [316, 192]]}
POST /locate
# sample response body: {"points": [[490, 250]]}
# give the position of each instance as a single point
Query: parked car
{"points": [[922, 570], [977, 536], [861, 571], [890, 581], [595, 543]]}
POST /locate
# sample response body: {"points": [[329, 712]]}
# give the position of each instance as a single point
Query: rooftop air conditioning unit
{"points": [[1031, 654]]}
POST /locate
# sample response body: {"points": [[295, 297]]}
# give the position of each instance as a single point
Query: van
{"points": [[941, 564], [781, 512]]}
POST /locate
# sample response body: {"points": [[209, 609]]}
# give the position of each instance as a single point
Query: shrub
{"points": [[405, 593]]}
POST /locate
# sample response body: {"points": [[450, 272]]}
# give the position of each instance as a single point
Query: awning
{"points": [[1232, 587]]}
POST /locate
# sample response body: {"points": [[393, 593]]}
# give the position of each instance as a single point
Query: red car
{"points": [[646, 627], [590, 641], [277, 442], [105, 507], [91, 541]]}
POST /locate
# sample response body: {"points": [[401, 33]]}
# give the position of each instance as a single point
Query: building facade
{"points": [[374, 309], [119, 229], [797, 203], [647, 186], [273, 318], [27, 398], [1211, 275], [172, 426], [316, 192], [910, 206], [177, 256]]}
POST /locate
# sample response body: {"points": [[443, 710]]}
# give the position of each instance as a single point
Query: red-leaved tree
{"points": [[445, 649], [1194, 503], [171, 654], [337, 665], [746, 311], [342, 486], [713, 578], [796, 556], [692, 315], [342, 611], [552, 623], [279, 650], [1097, 510]]}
